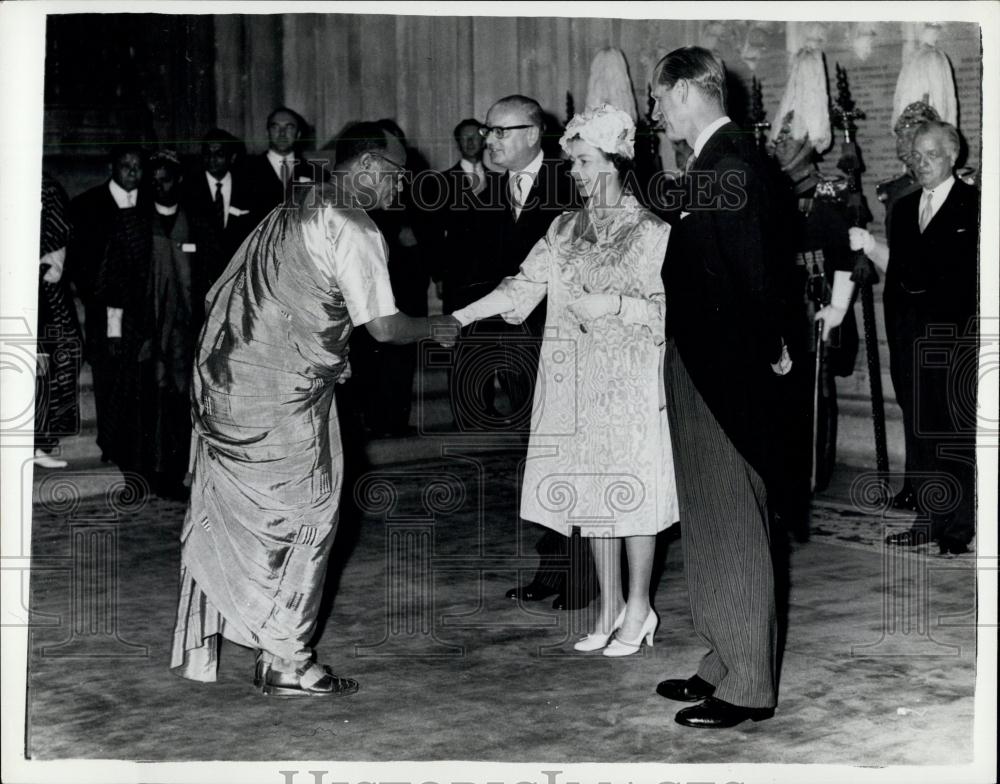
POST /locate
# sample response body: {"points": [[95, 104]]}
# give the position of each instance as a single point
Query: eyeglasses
{"points": [[500, 130], [391, 162]]}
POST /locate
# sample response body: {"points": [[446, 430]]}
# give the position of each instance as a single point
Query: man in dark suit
{"points": [[516, 209], [725, 344], [269, 174], [107, 259], [460, 244], [217, 204], [930, 297]]}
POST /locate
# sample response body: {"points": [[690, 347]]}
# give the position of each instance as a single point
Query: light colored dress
{"points": [[267, 455], [599, 454]]}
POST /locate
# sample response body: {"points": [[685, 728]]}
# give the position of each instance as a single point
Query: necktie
{"points": [[220, 207], [286, 170], [926, 212], [520, 185]]}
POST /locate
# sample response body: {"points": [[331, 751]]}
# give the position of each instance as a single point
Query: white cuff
{"points": [[492, 304], [115, 322], [843, 289], [879, 254]]}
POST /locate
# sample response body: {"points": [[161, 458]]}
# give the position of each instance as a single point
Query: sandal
{"points": [[309, 680]]}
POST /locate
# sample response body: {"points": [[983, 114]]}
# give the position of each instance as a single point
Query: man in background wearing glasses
{"points": [[518, 206]]}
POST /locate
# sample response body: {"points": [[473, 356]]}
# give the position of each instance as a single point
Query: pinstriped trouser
{"points": [[727, 558]]}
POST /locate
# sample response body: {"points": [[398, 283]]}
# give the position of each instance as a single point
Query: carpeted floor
{"points": [[878, 669]]}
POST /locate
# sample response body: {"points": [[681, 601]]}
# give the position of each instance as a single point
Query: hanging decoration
{"points": [[807, 100], [926, 76]]}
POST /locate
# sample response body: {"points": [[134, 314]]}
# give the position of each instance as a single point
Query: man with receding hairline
{"points": [[930, 297], [267, 464], [519, 206], [723, 346]]}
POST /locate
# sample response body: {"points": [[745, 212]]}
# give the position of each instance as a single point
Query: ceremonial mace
{"points": [[757, 115], [843, 114]]}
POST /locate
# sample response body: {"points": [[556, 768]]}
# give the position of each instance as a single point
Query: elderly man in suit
{"points": [[516, 209], [931, 277], [724, 345]]}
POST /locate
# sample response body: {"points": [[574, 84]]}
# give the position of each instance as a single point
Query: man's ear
{"points": [[536, 135], [683, 87]]}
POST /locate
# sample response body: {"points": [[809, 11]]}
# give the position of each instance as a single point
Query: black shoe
{"points": [[905, 500], [693, 689], [532, 592], [911, 538], [717, 714], [564, 602], [949, 545]]}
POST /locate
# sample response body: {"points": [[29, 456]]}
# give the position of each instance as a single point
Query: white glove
{"points": [[115, 322], [346, 373], [861, 239], [843, 289], [593, 306], [784, 363], [55, 260]]}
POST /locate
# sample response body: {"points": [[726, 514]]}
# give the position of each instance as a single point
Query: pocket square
{"points": [[959, 231], [238, 212], [189, 247], [684, 214]]}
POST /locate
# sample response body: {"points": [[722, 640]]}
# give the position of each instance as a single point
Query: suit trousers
{"points": [[727, 557], [932, 366]]}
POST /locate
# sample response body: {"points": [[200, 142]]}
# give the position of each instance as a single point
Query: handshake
{"points": [[445, 329]]}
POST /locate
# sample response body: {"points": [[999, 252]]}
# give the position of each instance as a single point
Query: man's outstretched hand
{"points": [[445, 329]]}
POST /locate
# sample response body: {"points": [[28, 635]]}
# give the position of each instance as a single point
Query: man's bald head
{"points": [[371, 138]]}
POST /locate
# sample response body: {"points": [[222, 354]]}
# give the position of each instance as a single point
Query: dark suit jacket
{"points": [[458, 255], [723, 310], [937, 271], [101, 273], [264, 188], [215, 245], [506, 242]]}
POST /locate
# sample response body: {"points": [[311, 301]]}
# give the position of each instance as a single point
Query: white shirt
{"points": [[471, 168], [707, 132], [227, 192], [525, 183], [123, 198], [163, 210], [275, 159], [937, 195]]}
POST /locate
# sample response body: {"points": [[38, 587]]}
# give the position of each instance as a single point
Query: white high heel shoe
{"points": [[47, 461], [620, 647], [594, 642]]}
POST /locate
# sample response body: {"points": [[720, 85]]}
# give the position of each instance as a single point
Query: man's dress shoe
{"points": [[911, 538], [905, 500], [718, 714], [693, 689], [564, 602], [950, 546], [532, 592]]}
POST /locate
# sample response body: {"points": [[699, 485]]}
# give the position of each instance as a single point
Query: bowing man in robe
{"points": [[267, 468]]}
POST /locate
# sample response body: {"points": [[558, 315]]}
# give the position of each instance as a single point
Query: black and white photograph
{"points": [[515, 393]]}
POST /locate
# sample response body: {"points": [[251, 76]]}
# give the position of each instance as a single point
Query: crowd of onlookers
{"points": [[141, 251]]}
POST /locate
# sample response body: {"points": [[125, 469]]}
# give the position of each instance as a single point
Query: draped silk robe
{"points": [[266, 453]]}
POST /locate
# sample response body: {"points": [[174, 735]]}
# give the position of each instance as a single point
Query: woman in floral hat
{"points": [[599, 456]]}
